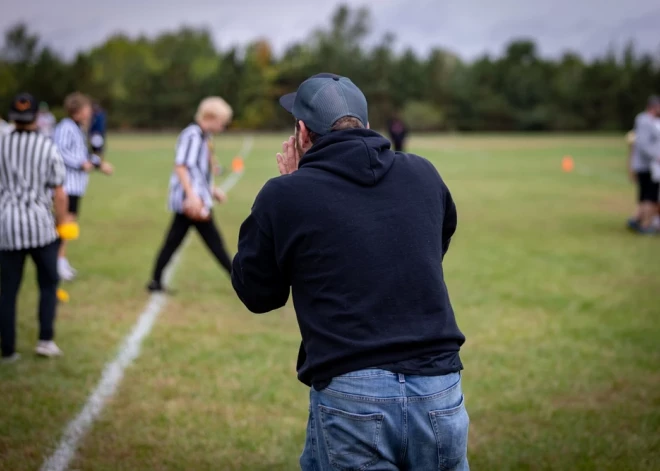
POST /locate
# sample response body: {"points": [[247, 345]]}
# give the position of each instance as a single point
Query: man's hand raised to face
{"points": [[288, 160]]}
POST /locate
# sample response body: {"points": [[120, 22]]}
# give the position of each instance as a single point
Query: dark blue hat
{"points": [[323, 99], [23, 109]]}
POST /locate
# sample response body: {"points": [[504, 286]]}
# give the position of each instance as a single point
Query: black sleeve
{"points": [[450, 222], [256, 276]]}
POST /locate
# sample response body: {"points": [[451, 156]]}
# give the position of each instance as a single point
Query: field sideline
{"points": [[558, 302]]}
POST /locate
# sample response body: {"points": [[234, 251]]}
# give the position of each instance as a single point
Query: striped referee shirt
{"points": [[192, 151], [72, 144], [30, 166]]}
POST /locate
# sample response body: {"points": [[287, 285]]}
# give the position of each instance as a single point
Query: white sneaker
{"points": [[11, 358], [47, 348], [655, 224], [64, 270], [73, 270]]}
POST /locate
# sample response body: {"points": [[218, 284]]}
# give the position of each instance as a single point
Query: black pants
{"points": [[12, 263], [74, 204], [397, 143], [176, 234], [649, 191]]}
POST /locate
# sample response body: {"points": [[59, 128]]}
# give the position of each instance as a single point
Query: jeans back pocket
{"points": [[351, 439], [451, 433]]}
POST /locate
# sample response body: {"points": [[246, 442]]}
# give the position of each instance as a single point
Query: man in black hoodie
{"points": [[358, 233]]}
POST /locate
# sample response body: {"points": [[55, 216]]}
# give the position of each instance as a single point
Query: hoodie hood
{"points": [[359, 155]]}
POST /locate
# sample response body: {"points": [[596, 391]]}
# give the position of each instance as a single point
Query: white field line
{"points": [[113, 372]]}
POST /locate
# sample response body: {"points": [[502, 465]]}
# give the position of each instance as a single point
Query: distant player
{"points": [[633, 222], [398, 133], [45, 120], [655, 176], [30, 166], [71, 139], [191, 191], [97, 131], [646, 151]]}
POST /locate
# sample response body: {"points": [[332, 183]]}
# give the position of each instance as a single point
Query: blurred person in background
{"points": [[645, 155], [30, 167], [71, 139], [633, 222], [97, 130], [655, 176], [398, 132], [45, 120], [191, 191]]}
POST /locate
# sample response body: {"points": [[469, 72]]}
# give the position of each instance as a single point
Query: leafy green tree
{"points": [[158, 82]]}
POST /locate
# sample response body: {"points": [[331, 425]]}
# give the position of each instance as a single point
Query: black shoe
{"points": [[155, 286], [10, 358], [633, 224], [647, 231]]}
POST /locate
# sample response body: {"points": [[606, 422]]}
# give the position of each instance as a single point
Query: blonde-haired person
{"points": [[191, 191]]}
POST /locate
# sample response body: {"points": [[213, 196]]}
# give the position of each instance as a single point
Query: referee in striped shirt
{"points": [[30, 167], [70, 138], [191, 191]]}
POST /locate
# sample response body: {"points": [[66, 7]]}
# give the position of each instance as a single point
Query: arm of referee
{"points": [[55, 180], [61, 204]]}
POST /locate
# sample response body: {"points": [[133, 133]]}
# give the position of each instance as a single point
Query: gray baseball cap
{"points": [[323, 99]]}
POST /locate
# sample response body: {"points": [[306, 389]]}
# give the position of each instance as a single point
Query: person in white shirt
{"points": [[45, 120], [646, 155]]}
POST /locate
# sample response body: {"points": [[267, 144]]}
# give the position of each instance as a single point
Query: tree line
{"points": [[156, 83]]}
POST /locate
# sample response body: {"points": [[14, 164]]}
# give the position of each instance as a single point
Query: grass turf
{"points": [[558, 302]]}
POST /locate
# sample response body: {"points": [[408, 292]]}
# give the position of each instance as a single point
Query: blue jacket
{"points": [[98, 123]]}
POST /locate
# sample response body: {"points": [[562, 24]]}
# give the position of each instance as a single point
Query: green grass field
{"points": [[558, 302]]}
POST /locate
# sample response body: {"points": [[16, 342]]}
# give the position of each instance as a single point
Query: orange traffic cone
{"points": [[237, 165], [567, 164]]}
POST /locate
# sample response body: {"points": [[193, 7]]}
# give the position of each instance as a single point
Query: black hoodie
{"points": [[359, 233]]}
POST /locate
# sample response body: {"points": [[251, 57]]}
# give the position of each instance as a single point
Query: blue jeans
{"points": [[376, 420]]}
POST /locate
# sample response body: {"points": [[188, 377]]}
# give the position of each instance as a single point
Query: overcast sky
{"points": [[468, 27]]}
